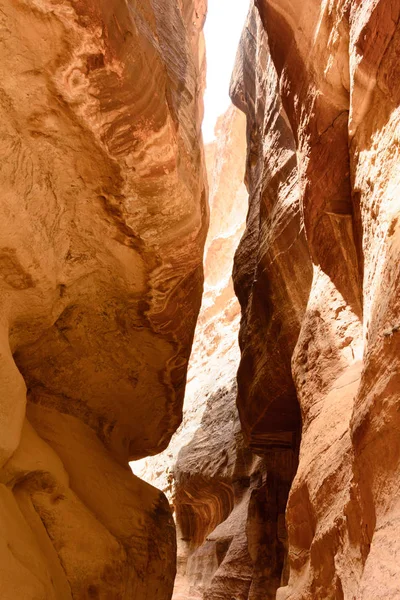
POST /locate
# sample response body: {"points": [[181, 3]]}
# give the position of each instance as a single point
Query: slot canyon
{"points": [[199, 336]]}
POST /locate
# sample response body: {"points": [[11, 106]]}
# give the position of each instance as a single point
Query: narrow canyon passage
{"points": [[229, 491], [200, 326]]}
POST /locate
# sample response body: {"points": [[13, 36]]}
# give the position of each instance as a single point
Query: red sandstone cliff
{"points": [[103, 218], [318, 280]]}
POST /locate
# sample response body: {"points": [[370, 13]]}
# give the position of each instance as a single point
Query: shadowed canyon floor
{"points": [[279, 477]]}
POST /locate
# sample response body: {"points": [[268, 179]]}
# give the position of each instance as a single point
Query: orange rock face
{"points": [[103, 218], [317, 277]]}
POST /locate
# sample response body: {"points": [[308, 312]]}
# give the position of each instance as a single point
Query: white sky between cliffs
{"points": [[222, 30]]}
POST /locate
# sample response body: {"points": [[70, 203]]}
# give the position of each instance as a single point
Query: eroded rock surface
{"points": [[318, 280], [103, 218]]}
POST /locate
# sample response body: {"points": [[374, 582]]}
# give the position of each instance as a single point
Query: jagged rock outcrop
{"points": [[317, 277], [103, 218]]}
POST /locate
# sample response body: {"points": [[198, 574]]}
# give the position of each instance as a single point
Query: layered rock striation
{"points": [[316, 274], [103, 219]]}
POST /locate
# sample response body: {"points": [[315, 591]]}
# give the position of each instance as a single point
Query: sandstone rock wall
{"points": [[103, 217], [318, 280]]}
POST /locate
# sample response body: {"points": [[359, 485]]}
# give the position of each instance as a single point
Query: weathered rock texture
{"points": [[317, 277], [207, 472], [103, 217]]}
